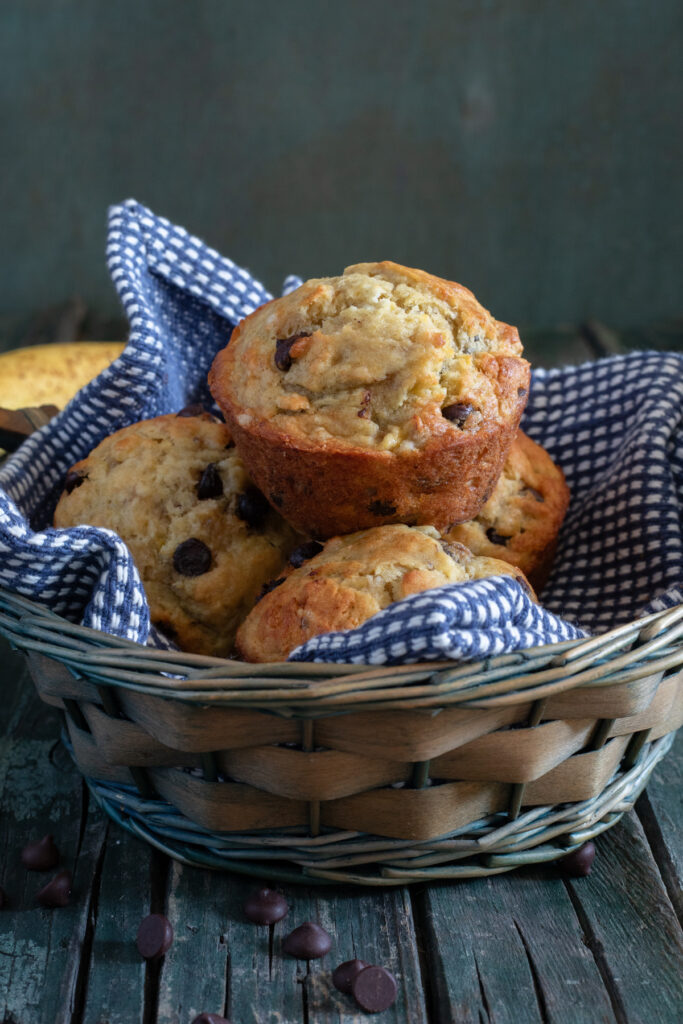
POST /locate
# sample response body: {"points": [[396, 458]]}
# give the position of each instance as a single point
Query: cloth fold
{"points": [[614, 426]]}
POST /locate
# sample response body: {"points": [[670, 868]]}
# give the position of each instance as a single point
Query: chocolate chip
{"points": [[304, 552], [534, 493], [192, 558], [496, 538], [265, 906], [283, 359], [252, 507], [521, 392], [3, 898], [277, 499], [374, 989], [579, 862], [73, 479], [57, 892], [210, 1018], [155, 936], [381, 508], [267, 587], [457, 412], [196, 409], [307, 942], [210, 484], [40, 855], [364, 410], [343, 976]]}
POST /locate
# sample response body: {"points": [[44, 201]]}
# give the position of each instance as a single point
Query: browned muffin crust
{"points": [[353, 578], [385, 395], [521, 520], [203, 538]]}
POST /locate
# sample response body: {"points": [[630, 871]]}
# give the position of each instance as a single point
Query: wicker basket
{"points": [[345, 773]]}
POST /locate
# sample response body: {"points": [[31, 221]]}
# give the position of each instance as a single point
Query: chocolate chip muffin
{"points": [[385, 395], [522, 518], [353, 578], [203, 538]]}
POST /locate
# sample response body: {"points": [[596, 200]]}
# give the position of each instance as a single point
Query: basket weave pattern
{"points": [[413, 756]]}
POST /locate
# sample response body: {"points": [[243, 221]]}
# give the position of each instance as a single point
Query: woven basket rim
{"points": [[625, 653]]}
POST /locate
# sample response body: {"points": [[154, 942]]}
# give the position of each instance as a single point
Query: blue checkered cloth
{"points": [[613, 426]]}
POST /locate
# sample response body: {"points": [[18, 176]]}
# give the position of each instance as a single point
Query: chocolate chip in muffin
{"points": [[252, 507], [304, 552], [496, 538], [210, 484], [73, 479], [457, 412], [283, 346], [277, 499], [534, 493], [192, 558], [267, 587], [364, 410], [195, 409], [382, 508]]}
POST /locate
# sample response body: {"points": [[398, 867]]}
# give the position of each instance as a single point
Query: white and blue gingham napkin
{"points": [[615, 427]]}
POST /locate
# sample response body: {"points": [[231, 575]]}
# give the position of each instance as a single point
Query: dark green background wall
{"points": [[531, 150]]}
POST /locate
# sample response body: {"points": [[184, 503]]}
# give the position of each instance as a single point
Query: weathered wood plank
{"points": [[194, 973], [40, 791], [631, 927], [220, 961], [117, 972], [508, 949], [660, 810]]}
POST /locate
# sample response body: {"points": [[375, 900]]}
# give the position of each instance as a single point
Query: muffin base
{"points": [[325, 489]]}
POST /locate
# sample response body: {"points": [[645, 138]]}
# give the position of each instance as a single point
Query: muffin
{"points": [[353, 578], [522, 518], [385, 395], [203, 538]]}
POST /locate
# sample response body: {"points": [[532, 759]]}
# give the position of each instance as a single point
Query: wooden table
{"points": [[522, 948]]}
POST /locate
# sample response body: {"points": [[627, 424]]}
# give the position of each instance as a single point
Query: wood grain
{"points": [[508, 953], [630, 925], [661, 812]]}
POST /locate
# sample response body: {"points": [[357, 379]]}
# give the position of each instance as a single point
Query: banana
{"points": [[51, 374]]}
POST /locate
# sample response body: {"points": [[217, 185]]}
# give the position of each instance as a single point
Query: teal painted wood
{"points": [[116, 971], [40, 949], [510, 949], [528, 150], [221, 963], [196, 970], [630, 924], [661, 812]]}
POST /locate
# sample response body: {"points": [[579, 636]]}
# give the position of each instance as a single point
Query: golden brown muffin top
{"points": [[381, 357], [353, 578]]}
